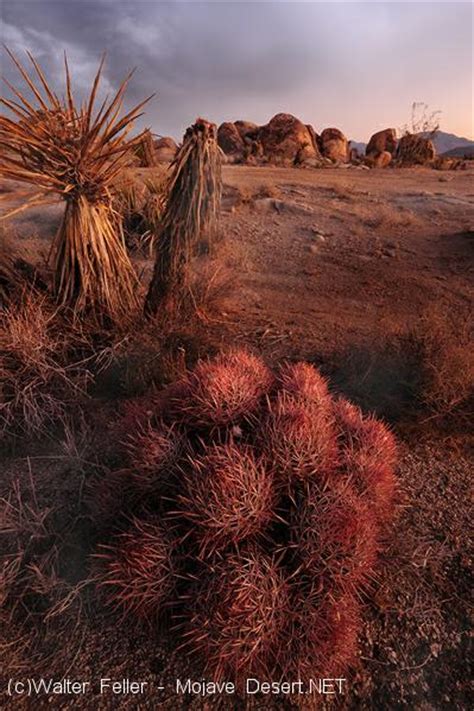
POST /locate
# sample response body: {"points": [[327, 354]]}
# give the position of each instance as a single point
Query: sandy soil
{"points": [[325, 260]]}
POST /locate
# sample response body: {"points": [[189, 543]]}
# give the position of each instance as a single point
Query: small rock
{"points": [[389, 252], [313, 248]]}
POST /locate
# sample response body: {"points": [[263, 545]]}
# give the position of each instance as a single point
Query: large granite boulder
{"points": [[165, 149], [381, 141], [286, 140], [230, 141], [334, 145]]}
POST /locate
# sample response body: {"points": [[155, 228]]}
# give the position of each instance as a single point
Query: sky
{"points": [[357, 66]]}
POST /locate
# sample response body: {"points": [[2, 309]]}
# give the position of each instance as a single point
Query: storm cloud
{"points": [[358, 66]]}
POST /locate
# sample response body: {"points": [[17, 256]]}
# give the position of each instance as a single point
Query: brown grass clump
{"points": [[424, 372], [442, 344], [270, 463], [223, 390], [153, 453], [230, 497], [39, 373], [136, 572], [238, 619], [75, 152]]}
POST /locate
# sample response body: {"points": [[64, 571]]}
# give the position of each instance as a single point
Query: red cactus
{"points": [[368, 454], [303, 381], [336, 535], [136, 572], [223, 390], [310, 477], [299, 439], [239, 617], [322, 640], [153, 451], [230, 496]]}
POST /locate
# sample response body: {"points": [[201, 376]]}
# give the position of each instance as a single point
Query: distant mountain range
{"points": [[445, 144]]}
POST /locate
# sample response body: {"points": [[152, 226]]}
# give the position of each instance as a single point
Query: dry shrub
{"points": [[44, 541], [427, 369], [39, 371], [153, 453], [443, 344], [137, 572], [140, 203], [276, 504], [16, 273]]}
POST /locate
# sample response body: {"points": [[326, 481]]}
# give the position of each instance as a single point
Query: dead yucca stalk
{"points": [[75, 152], [191, 213], [145, 150]]}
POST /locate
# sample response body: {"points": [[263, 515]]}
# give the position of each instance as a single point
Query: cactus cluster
{"points": [[256, 509]]}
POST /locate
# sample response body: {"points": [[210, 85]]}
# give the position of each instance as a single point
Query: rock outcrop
{"points": [[247, 129], [382, 141], [287, 141], [165, 149], [230, 141], [334, 145], [415, 149], [378, 159]]}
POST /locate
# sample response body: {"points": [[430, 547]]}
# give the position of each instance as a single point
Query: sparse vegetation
{"points": [[41, 369]]}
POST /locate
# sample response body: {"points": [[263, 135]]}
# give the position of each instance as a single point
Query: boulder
{"points": [[381, 141], [415, 149], [247, 129], [165, 149], [378, 159], [230, 141], [445, 163], [334, 145], [287, 141]]}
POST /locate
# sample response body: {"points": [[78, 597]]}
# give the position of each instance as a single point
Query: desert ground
{"points": [[344, 268]]}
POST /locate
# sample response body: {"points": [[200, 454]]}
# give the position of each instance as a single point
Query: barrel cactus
{"points": [[272, 497]]}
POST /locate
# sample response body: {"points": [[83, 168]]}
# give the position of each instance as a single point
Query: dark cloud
{"points": [[355, 65]]}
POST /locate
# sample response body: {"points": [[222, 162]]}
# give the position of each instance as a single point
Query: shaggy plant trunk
{"points": [[190, 217], [91, 264]]}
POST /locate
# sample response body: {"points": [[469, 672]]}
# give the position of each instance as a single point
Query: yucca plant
{"points": [[194, 192], [75, 152]]}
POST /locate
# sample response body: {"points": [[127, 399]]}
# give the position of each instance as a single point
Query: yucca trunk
{"points": [[190, 216], [91, 265]]}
